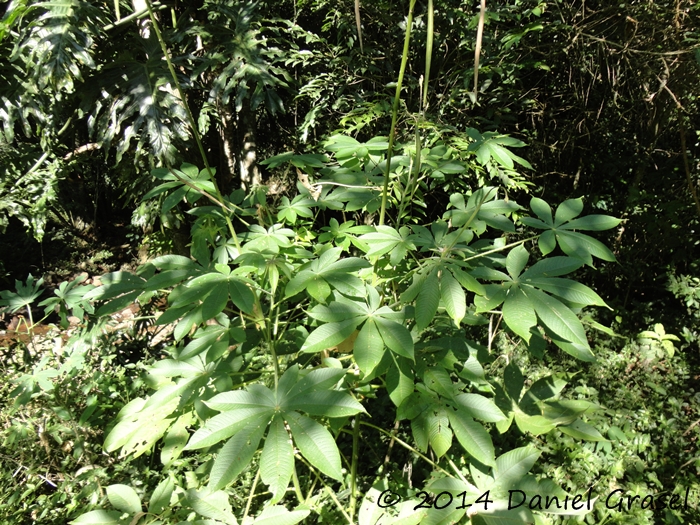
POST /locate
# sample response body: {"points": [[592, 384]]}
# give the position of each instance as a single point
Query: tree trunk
{"points": [[227, 134], [249, 170]]}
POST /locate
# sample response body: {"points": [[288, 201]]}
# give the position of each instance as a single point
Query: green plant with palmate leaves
{"points": [[286, 354], [253, 369]]}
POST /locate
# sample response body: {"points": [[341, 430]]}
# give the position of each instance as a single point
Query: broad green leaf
{"points": [[278, 515], [298, 283], [494, 295], [175, 440], [124, 498], [542, 210], [257, 396], [328, 403], [544, 388], [241, 295], [225, 425], [316, 444], [166, 279], [160, 499], [473, 437], [519, 313], [369, 347], [395, 336], [236, 454], [167, 393], [551, 267], [318, 288], [277, 459], [399, 380], [452, 297], [173, 262], [512, 466], [427, 301], [187, 322], [547, 242], [569, 290], [592, 223], [438, 380], [516, 261], [479, 407], [567, 210], [202, 343], [329, 335], [501, 155], [579, 351], [513, 381], [98, 517], [196, 289], [214, 505], [565, 412], [467, 281], [580, 430], [557, 317], [439, 432], [215, 302], [535, 425], [315, 380], [579, 245]]}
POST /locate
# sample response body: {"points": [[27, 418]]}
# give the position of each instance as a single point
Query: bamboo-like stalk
{"points": [[477, 49], [428, 52]]}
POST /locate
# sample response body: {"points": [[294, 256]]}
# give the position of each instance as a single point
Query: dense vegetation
{"points": [[323, 262]]}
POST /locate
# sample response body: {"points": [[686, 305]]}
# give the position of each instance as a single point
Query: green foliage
{"points": [[244, 370], [296, 336]]}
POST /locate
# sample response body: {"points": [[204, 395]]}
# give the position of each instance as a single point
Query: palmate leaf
{"points": [[388, 240], [560, 230]]}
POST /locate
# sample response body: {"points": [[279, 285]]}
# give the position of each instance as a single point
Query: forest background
{"points": [[368, 185]]}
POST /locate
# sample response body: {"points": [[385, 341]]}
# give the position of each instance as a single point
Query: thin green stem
{"points": [[190, 117], [353, 466], [406, 446], [329, 490], [297, 486], [395, 110], [251, 494], [428, 52], [496, 250]]}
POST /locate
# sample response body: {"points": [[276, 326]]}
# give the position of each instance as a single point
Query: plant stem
{"points": [[395, 109], [406, 446], [353, 466], [190, 117], [251, 494]]}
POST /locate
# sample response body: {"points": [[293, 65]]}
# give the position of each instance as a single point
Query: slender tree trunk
{"points": [[227, 134], [249, 170]]}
